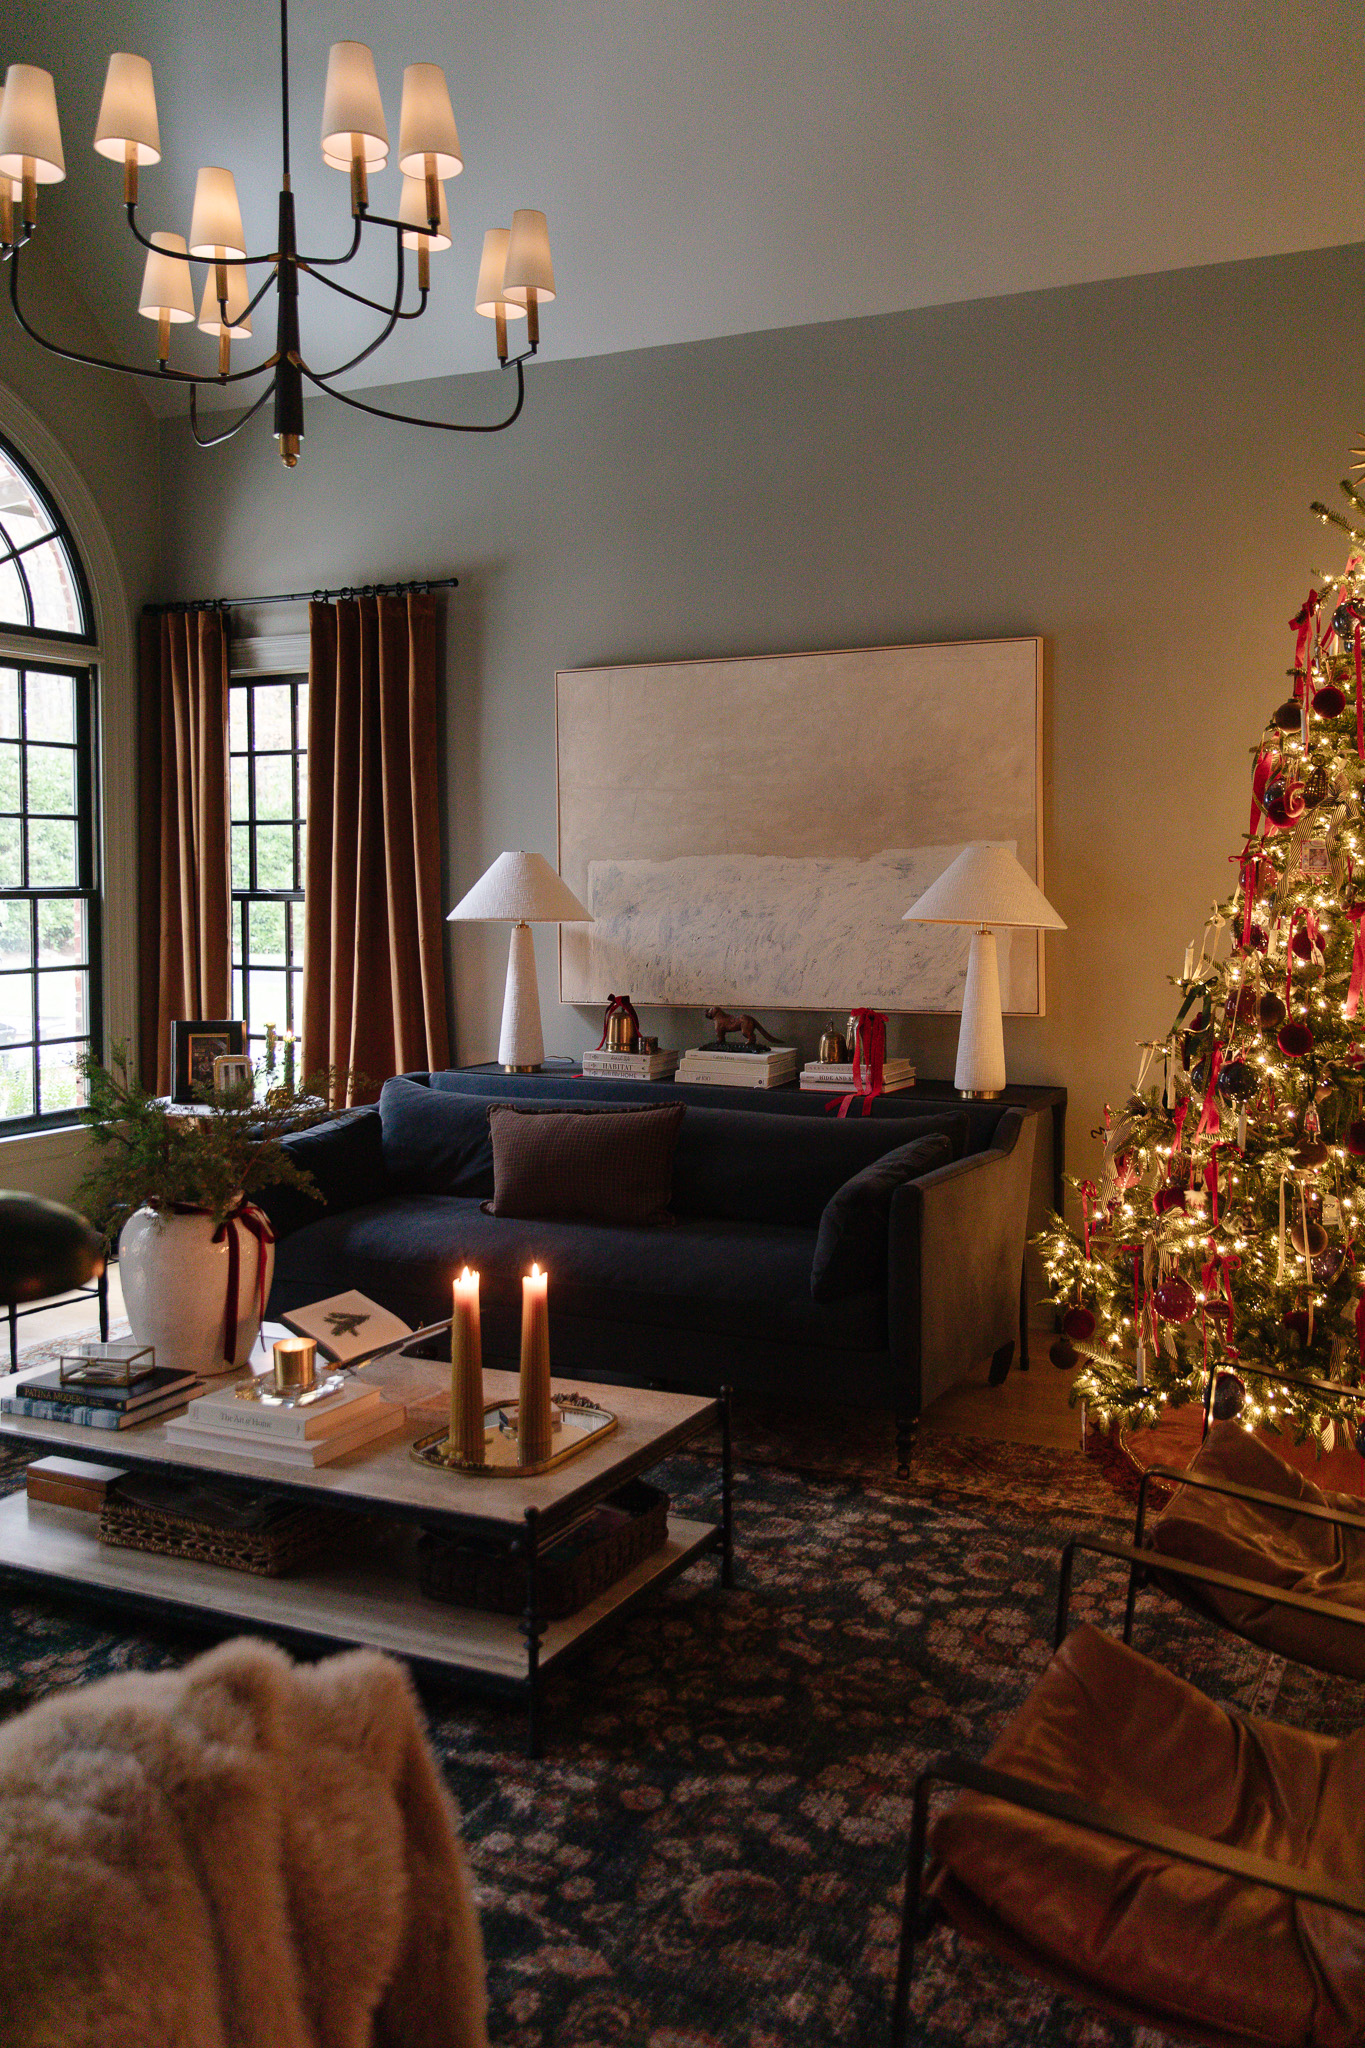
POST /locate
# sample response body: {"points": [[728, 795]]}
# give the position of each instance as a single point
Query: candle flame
{"points": [[535, 1270], [465, 1276]]}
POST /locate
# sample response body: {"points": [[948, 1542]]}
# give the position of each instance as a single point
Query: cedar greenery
{"points": [[152, 1153], [1225, 1222]]}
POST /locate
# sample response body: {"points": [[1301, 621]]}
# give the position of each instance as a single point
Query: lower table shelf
{"points": [[353, 1600]]}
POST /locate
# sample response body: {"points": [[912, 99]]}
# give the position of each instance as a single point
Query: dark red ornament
{"points": [[1329, 701], [1064, 1354], [1355, 1139], [1169, 1198], [1309, 1154], [1302, 944], [1174, 1298], [1296, 1322], [1078, 1324], [1283, 802], [1317, 1237], [1255, 940], [1242, 1006], [1270, 1012], [1294, 1040], [1288, 716]]}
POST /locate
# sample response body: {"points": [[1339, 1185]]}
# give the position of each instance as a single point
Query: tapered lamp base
{"points": [[981, 1040], [521, 1048]]}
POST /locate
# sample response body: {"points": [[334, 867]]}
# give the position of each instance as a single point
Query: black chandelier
{"points": [[516, 275]]}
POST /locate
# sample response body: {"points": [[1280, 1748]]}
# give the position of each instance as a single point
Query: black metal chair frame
{"points": [[98, 1292]]}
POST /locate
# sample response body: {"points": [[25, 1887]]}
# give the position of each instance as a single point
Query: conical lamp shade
{"points": [[986, 886], [524, 888]]}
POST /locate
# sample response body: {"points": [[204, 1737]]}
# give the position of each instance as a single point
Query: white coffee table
{"points": [[378, 1603]]}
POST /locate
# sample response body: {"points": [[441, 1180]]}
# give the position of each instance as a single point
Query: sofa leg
{"points": [[907, 1436], [1001, 1361]]}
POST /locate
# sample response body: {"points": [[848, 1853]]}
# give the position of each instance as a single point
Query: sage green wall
{"points": [[1124, 468]]}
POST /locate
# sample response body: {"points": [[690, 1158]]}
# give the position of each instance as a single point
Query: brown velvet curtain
{"points": [[184, 878], [374, 977]]}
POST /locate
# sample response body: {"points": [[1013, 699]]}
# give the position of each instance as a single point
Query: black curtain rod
{"points": [[228, 604]]}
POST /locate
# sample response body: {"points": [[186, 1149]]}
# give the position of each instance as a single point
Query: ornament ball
{"points": [[1294, 1040], [1078, 1324], [1229, 1394], [1329, 702], [1287, 716], [1355, 1140], [1174, 1298], [1064, 1354], [1271, 1012]]}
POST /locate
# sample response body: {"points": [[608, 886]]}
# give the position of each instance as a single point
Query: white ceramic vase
{"points": [[175, 1285]]}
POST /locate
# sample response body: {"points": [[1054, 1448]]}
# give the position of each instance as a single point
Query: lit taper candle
{"points": [[533, 1394], [466, 1372]]}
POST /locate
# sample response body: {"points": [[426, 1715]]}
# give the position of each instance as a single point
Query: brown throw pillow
{"points": [[612, 1167]]}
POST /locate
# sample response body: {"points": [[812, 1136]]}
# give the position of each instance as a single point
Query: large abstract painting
{"points": [[752, 831]]}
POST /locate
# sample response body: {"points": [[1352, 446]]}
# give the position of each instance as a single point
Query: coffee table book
{"points": [[373, 1598]]}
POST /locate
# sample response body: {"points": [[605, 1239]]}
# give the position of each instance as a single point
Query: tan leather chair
{"points": [[1164, 1860]]}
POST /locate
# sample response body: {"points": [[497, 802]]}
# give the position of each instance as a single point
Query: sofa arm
{"points": [[956, 1258], [345, 1156]]}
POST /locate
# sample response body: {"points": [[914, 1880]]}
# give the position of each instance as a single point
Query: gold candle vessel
{"points": [[295, 1364], [466, 1373], [533, 1394]]}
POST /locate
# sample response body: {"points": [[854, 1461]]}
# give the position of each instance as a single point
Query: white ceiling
{"points": [[715, 166]]}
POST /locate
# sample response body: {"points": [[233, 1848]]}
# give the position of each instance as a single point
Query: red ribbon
{"points": [[1266, 764], [1360, 700], [1210, 1120], [1211, 1182], [1360, 1328], [1356, 913], [257, 1225], [869, 1027], [1219, 1268], [1303, 621]]}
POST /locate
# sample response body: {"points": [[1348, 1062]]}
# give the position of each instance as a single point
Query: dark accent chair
{"points": [[1167, 1862]]}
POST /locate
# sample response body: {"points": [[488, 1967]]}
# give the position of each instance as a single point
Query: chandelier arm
{"points": [[392, 317], [389, 312], [130, 212], [411, 419], [75, 355], [330, 262], [216, 440]]}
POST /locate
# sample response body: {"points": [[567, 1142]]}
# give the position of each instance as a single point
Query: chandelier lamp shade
{"points": [[985, 887], [520, 889], [516, 274]]}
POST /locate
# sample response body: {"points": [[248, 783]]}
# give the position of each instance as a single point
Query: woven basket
{"points": [[628, 1526], [273, 1552]]}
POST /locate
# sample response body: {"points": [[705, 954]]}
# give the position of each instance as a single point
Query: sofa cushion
{"points": [[587, 1167], [851, 1244], [784, 1169], [434, 1143], [727, 1280]]}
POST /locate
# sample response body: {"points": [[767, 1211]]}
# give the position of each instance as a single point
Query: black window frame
{"points": [[88, 886], [292, 899], [59, 530]]}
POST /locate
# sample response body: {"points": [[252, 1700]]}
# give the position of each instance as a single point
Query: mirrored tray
{"points": [[577, 1426], [262, 1390]]}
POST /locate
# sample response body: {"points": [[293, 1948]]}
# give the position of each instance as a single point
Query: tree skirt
{"points": [[711, 1853]]}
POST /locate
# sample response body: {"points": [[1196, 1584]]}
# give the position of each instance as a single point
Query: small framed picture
{"points": [[231, 1071], [195, 1044]]}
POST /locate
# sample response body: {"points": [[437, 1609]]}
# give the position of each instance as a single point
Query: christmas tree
{"points": [[1225, 1222]]}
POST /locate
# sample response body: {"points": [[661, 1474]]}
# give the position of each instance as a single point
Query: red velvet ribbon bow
{"points": [[1216, 1273], [1209, 1119], [254, 1221], [1303, 621], [1356, 913], [869, 1030]]}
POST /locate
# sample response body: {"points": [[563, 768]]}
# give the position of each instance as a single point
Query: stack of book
{"points": [[835, 1077], [311, 1433], [631, 1066], [47, 1397], [768, 1069]]}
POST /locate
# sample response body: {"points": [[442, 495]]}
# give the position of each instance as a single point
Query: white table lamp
{"points": [[986, 887], [524, 889]]}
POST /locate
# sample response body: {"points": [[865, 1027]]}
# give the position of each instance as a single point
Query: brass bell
{"points": [[621, 1030], [833, 1049]]}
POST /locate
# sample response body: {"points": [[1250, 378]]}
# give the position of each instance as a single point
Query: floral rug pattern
{"points": [[711, 1852]]}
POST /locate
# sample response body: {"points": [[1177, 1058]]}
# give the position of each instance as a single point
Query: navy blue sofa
{"points": [[723, 1294]]}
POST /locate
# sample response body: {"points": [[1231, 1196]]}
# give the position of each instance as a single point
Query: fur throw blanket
{"points": [[242, 1854]]}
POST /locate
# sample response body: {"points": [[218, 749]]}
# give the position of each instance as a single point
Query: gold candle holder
{"points": [[466, 1373], [295, 1364], [534, 1429]]}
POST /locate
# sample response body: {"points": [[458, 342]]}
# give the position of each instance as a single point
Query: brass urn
{"points": [[833, 1050]]}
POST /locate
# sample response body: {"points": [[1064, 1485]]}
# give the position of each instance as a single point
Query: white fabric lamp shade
{"points": [[238, 296], [29, 126], [426, 124], [528, 257], [128, 111], [522, 888], [412, 207], [216, 223], [985, 887], [167, 286], [351, 106], [488, 293]]}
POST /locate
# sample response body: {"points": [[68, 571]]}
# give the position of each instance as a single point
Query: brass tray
{"points": [[577, 1425]]}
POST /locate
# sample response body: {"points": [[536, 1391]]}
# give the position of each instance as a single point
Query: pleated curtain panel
{"points": [[374, 997], [184, 964]]}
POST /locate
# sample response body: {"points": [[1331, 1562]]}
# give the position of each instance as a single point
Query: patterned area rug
{"points": [[711, 1853]]}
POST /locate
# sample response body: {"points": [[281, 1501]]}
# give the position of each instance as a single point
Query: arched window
{"points": [[49, 880]]}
